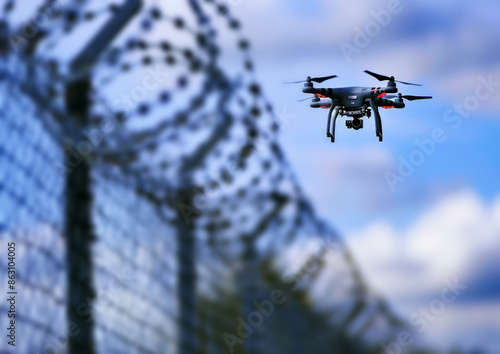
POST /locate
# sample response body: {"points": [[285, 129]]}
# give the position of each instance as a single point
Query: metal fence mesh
{"points": [[32, 199], [135, 272]]}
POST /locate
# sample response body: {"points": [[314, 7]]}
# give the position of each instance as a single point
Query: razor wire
{"points": [[196, 155]]}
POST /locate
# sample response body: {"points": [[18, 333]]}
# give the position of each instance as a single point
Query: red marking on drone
{"points": [[387, 107], [382, 95], [320, 96]]}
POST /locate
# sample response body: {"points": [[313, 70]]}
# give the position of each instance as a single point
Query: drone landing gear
{"points": [[335, 112], [378, 120]]}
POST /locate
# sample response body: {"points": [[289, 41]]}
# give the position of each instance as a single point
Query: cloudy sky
{"points": [[439, 222], [436, 224]]}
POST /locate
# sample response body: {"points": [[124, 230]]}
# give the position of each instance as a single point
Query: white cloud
{"points": [[442, 243], [453, 240], [474, 326]]}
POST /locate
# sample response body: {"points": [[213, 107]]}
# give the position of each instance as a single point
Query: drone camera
{"points": [[355, 124]]}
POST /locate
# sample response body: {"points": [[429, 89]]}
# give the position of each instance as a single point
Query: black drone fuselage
{"points": [[355, 97], [356, 102]]}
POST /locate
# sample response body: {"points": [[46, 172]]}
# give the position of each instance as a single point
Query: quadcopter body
{"points": [[356, 102]]}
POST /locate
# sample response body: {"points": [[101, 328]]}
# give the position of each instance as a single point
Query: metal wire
{"points": [[193, 198]]}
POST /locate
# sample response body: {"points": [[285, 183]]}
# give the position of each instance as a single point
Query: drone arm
{"points": [[378, 120], [316, 91]]}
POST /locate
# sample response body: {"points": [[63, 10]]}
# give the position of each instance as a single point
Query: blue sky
{"points": [[443, 222]]}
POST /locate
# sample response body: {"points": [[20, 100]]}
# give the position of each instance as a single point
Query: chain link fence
{"points": [[148, 195]]}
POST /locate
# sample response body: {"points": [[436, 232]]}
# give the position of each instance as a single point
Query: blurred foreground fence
{"points": [[152, 207]]}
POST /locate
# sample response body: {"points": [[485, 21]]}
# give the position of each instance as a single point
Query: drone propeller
{"points": [[319, 80], [409, 97], [388, 78], [305, 99], [414, 98], [316, 97]]}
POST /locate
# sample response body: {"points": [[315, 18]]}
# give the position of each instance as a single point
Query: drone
{"points": [[356, 102]]}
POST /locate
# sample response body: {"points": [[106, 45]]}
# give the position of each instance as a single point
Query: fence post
{"points": [[186, 281], [79, 233], [79, 230]]}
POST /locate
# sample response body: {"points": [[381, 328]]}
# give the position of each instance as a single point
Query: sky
{"points": [[438, 224], [439, 220]]}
